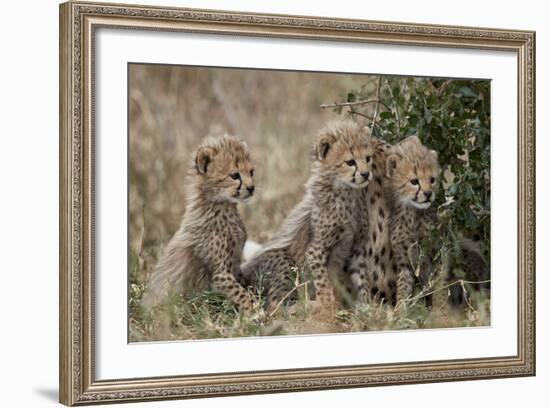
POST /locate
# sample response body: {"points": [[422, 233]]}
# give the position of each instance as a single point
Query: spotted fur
{"points": [[206, 250], [375, 282], [400, 217], [324, 231]]}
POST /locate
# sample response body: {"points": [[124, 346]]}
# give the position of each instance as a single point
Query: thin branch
{"points": [[354, 112], [396, 110], [465, 292], [424, 294], [444, 87], [375, 115], [363, 102]]}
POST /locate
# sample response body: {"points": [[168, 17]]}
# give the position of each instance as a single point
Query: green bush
{"points": [[452, 116]]}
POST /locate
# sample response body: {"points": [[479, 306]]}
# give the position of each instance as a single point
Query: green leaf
{"points": [[386, 115], [451, 191], [468, 92], [427, 116]]}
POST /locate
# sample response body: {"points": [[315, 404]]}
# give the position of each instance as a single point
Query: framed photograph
{"points": [[256, 203]]}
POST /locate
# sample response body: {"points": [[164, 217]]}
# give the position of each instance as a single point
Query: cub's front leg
{"points": [[225, 282], [317, 257], [405, 279], [358, 269]]}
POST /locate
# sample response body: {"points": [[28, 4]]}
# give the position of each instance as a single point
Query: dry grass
{"points": [[277, 113]]}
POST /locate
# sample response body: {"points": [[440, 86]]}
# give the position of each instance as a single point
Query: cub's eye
{"points": [[432, 180], [235, 176], [350, 163], [414, 182], [252, 173], [368, 159]]}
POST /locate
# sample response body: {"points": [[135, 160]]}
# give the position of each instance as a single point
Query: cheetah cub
{"points": [[325, 230], [412, 171], [206, 250]]}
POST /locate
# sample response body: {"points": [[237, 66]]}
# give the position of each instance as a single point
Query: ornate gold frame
{"points": [[78, 22]]}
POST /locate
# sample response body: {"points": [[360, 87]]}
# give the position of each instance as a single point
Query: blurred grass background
{"points": [[173, 108], [278, 114]]}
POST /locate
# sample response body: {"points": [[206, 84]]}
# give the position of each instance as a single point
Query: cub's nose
{"points": [[427, 194], [365, 174], [250, 189]]}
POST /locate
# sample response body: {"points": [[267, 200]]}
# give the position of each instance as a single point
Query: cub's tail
{"points": [[177, 272], [250, 249]]}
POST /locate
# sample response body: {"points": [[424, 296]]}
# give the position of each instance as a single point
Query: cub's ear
{"points": [[204, 158], [434, 156], [391, 164], [323, 145]]}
